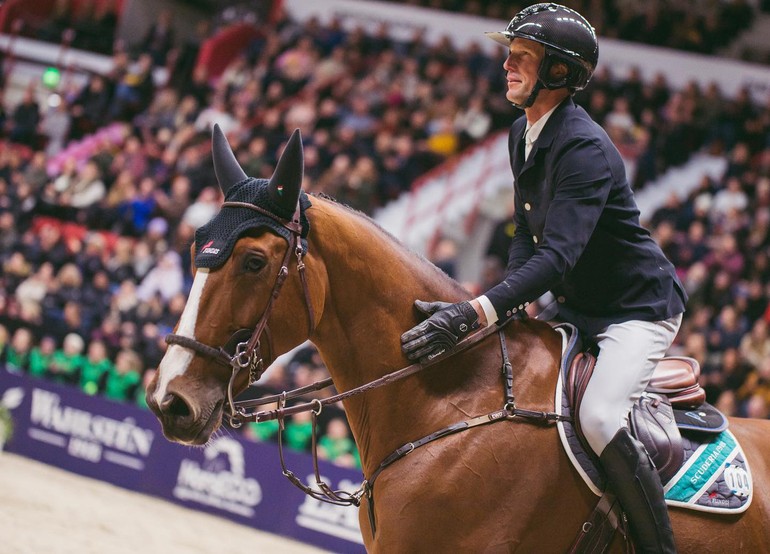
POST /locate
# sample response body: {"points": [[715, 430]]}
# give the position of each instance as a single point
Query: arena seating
{"points": [[379, 126]]}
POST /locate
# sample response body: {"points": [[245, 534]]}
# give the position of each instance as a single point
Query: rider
{"points": [[577, 235]]}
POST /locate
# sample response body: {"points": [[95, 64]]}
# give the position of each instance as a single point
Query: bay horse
{"points": [[507, 487]]}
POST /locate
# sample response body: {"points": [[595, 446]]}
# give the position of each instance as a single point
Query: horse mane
{"points": [[432, 272]]}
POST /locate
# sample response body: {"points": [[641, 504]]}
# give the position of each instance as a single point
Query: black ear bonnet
{"points": [[280, 196], [215, 240]]}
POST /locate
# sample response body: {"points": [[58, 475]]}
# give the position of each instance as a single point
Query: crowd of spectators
{"points": [[702, 27], [84, 25], [718, 237], [95, 226]]}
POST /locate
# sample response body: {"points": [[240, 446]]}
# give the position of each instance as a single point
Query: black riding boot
{"points": [[632, 476]]}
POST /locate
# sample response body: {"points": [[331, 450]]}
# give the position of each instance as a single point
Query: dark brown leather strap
{"points": [[598, 531], [305, 289], [392, 377], [469, 341], [216, 354], [292, 394], [283, 272], [292, 225]]}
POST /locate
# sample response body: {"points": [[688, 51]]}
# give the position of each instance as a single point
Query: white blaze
{"points": [[176, 360]]}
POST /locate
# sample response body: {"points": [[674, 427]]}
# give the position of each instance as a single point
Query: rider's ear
{"points": [[226, 167], [286, 182]]}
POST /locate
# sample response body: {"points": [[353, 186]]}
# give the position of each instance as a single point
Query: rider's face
{"points": [[521, 67]]}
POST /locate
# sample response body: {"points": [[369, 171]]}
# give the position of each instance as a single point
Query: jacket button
{"points": [[561, 300], [527, 206], [534, 238], [509, 313]]}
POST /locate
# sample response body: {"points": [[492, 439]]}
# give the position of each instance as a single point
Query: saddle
{"points": [[701, 464], [672, 401]]}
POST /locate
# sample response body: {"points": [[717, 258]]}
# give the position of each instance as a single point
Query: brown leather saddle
{"points": [[672, 420], [653, 420]]}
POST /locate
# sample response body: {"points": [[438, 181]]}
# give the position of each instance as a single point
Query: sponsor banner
{"points": [[87, 435], [123, 444]]}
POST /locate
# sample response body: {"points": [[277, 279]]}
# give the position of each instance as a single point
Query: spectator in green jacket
{"points": [[42, 356], [264, 431], [123, 380], [299, 431], [17, 355], [95, 367], [67, 363], [337, 446]]}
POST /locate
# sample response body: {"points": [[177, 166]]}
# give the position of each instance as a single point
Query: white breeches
{"points": [[628, 354]]}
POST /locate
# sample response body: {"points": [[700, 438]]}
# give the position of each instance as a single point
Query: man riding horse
{"points": [[578, 236]]}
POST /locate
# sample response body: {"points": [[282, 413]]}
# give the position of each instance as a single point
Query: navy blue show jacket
{"points": [[578, 233]]}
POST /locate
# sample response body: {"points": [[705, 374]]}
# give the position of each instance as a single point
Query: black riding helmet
{"points": [[568, 38]]}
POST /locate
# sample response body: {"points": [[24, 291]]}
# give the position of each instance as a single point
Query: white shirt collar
{"points": [[532, 132]]}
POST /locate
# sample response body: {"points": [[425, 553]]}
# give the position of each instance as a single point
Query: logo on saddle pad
{"points": [[696, 416], [738, 480]]}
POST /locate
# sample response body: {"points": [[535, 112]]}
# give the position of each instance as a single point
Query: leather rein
{"points": [[247, 355]]}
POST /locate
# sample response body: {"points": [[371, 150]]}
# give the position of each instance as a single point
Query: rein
{"points": [[247, 355], [317, 405], [509, 411]]}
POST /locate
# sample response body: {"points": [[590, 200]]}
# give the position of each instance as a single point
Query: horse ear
{"points": [[226, 167], [286, 182]]}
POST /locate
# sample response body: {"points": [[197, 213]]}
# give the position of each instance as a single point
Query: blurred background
{"points": [[106, 110]]}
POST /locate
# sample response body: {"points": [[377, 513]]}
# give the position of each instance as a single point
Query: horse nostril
{"points": [[173, 405]]}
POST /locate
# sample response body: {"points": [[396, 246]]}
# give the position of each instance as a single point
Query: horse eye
{"points": [[253, 263]]}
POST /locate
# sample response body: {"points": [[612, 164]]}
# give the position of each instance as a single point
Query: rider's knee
{"points": [[599, 424]]}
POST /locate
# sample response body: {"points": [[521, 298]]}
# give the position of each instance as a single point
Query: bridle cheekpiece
{"points": [[247, 354]]}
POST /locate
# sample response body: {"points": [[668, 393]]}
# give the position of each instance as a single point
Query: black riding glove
{"points": [[447, 325]]}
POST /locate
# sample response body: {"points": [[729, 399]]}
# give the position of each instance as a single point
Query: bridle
{"points": [[241, 353], [247, 355]]}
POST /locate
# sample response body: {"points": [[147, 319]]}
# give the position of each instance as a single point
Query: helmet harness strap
{"points": [[540, 84], [545, 80], [532, 96]]}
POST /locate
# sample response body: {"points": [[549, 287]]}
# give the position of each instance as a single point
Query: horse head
{"points": [[242, 262]]}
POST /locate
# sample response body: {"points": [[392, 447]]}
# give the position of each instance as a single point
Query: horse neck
{"points": [[370, 284]]}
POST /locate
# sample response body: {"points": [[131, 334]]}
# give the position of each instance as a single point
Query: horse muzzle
{"points": [[184, 419]]}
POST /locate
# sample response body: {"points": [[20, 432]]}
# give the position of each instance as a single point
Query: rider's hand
{"points": [[447, 325]]}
